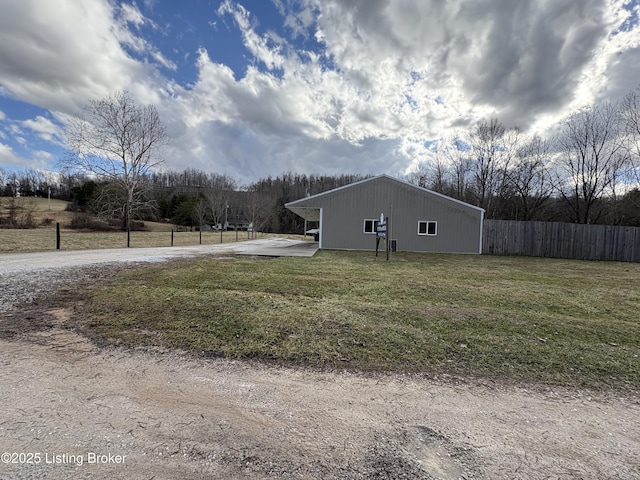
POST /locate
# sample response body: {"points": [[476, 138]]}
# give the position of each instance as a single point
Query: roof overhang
{"points": [[311, 214]]}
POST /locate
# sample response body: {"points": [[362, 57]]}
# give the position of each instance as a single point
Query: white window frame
{"points": [[374, 223], [426, 232]]}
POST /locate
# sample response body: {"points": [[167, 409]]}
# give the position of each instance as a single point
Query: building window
{"points": [[370, 226], [427, 228]]}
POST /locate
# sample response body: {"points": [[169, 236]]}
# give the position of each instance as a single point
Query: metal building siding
{"points": [[344, 211]]}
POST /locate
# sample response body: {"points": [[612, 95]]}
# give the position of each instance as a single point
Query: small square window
{"points": [[370, 226], [427, 228]]}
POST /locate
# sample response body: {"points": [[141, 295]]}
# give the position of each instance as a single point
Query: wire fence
{"points": [[43, 239]]}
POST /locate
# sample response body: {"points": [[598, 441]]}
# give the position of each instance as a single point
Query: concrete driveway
{"points": [[278, 247]]}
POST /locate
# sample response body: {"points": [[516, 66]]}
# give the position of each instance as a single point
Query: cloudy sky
{"points": [[259, 87]]}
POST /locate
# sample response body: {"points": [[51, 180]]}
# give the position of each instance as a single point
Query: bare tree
{"points": [[529, 177], [5, 188], [117, 141], [216, 197], [485, 140], [452, 169], [200, 212], [432, 174], [30, 182], [592, 159], [257, 208], [109, 200], [12, 185], [217, 201], [492, 148], [630, 116]]}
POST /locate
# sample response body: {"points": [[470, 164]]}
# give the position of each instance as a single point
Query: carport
{"points": [[310, 214]]}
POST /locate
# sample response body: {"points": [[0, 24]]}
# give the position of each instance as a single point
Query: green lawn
{"points": [[564, 322]]}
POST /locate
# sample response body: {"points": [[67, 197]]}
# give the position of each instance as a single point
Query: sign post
{"points": [[381, 233]]}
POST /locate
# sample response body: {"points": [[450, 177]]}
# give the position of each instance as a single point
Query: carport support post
{"points": [[58, 236], [172, 238], [128, 237], [200, 235]]}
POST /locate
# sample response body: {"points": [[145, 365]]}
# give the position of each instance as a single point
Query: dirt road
{"points": [[71, 410]]}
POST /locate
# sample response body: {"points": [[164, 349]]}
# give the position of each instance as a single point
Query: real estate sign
{"points": [[381, 229]]}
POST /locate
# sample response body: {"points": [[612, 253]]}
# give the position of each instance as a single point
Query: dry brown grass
{"points": [[43, 239], [41, 210], [46, 214]]}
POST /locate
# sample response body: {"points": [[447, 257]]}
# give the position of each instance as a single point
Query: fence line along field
{"points": [[43, 239], [42, 214]]}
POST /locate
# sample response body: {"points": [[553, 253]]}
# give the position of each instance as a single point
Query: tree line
{"points": [[192, 198], [189, 198], [588, 172]]}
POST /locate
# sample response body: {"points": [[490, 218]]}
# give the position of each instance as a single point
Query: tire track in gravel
{"points": [[170, 415]]}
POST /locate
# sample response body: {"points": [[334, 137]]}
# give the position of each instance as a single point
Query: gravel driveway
{"points": [[72, 410], [25, 275]]}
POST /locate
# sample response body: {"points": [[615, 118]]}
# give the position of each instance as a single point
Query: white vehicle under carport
{"points": [[315, 232]]}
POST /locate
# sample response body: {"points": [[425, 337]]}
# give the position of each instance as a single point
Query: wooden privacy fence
{"points": [[561, 240]]}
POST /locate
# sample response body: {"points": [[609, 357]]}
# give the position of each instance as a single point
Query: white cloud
{"points": [[263, 48], [91, 33], [44, 128], [375, 82], [15, 129], [515, 60], [405, 73], [130, 15], [9, 158], [43, 156]]}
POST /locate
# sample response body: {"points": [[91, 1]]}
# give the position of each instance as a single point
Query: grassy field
{"points": [[47, 213], [36, 203], [43, 239], [36, 211], [563, 322]]}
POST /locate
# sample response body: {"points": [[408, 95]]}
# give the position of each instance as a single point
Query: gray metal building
{"points": [[420, 220]]}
